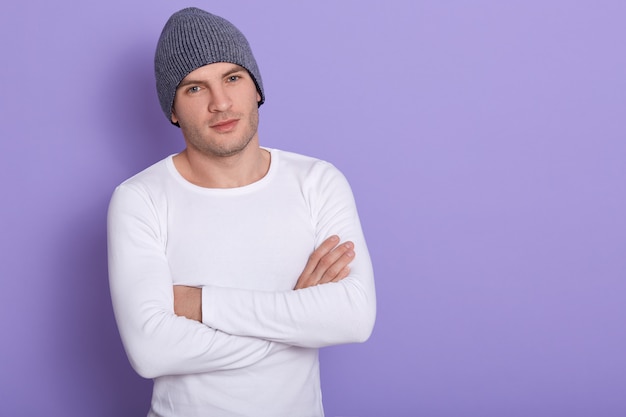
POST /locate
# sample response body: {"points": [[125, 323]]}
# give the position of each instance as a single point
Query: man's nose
{"points": [[220, 100]]}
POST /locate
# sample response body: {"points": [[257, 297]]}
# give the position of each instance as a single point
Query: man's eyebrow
{"points": [[191, 81], [236, 68]]}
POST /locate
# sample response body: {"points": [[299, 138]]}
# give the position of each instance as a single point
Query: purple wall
{"points": [[486, 145]]}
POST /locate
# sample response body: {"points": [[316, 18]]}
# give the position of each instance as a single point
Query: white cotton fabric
{"points": [[256, 354]]}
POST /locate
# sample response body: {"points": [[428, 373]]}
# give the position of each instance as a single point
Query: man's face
{"points": [[216, 108]]}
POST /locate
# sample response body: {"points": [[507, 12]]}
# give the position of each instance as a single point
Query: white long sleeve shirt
{"points": [[255, 354]]}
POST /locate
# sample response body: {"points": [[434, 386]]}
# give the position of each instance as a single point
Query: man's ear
{"points": [[173, 117]]}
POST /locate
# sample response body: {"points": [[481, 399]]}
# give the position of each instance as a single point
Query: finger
{"points": [[345, 272], [316, 270], [328, 261], [335, 270], [321, 251]]}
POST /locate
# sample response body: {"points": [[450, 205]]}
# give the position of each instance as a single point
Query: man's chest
{"points": [[241, 243]]}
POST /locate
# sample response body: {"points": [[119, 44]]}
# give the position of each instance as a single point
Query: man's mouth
{"points": [[225, 125]]}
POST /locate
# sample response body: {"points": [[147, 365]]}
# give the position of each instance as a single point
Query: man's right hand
{"points": [[328, 263]]}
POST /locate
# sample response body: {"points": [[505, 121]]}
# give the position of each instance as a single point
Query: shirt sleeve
{"points": [[157, 341], [323, 315]]}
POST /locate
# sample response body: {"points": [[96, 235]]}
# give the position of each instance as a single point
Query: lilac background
{"points": [[485, 142]]}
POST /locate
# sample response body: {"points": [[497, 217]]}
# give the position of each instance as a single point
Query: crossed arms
{"points": [[332, 302], [328, 263]]}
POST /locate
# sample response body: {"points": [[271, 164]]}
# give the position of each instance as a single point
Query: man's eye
{"points": [[233, 78], [194, 89]]}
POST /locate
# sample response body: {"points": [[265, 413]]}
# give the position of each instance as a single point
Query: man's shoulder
{"points": [[312, 173], [148, 182], [155, 173], [301, 162]]}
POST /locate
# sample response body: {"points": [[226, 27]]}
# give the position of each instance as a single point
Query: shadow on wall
{"points": [[138, 132], [91, 355], [99, 380]]}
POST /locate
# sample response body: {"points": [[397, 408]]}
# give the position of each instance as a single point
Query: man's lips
{"points": [[225, 125]]}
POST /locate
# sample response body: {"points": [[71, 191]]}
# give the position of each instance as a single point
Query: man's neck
{"points": [[243, 168]]}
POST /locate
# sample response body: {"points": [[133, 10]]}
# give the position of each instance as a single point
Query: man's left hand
{"points": [[188, 302]]}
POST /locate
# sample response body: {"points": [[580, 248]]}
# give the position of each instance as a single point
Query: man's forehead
{"points": [[216, 68], [213, 70]]}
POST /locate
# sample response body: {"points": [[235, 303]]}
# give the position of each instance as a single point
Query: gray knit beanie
{"points": [[192, 38]]}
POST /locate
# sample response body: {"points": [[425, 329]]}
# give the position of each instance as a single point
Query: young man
{"points": [[226, 268]]}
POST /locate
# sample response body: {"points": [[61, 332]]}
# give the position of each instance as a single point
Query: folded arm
{"points": [[329, 262], [312, 315], [157, 341]]}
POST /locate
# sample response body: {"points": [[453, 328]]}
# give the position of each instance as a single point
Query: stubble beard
{"points": [[218, 145]]}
